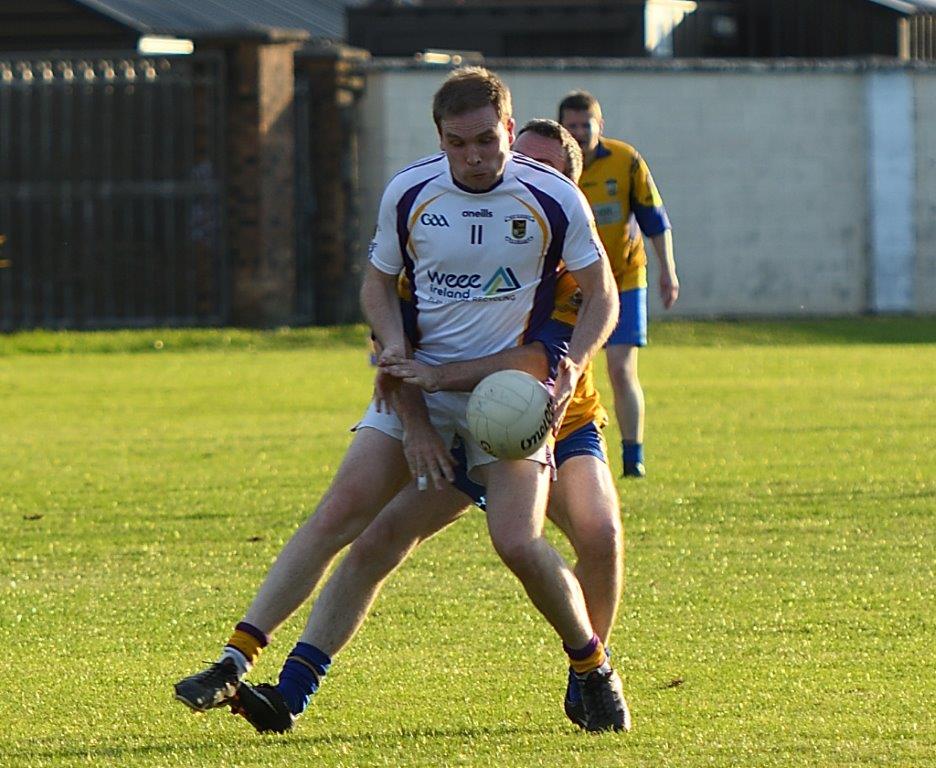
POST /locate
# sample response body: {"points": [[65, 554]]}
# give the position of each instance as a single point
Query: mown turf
{"points": [[780, 601]]}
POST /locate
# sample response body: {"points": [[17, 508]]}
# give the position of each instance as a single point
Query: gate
{"points": [[111, 191]]}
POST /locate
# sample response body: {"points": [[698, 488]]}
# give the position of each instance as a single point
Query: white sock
{"points": [[240, 661]]}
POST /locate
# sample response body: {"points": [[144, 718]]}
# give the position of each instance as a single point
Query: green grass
{"points": [[780, 600]]}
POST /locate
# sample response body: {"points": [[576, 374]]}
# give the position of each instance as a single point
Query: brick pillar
{"points": [[260, 175], [335, 84]]}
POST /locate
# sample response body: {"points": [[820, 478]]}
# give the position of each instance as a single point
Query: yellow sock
{"points": [[592, 661], [248, 644]]}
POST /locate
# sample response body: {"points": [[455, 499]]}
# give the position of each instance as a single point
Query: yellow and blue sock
{"points": [[573, 692], [301, 676], [589, 657], [245, 646]]}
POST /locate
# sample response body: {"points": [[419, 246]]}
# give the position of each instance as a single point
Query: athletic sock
{"points": [[573, 692], [632, 452], [244, 646], [589, 657], [301, 676]]}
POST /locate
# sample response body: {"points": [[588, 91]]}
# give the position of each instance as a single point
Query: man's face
{"points": [[584, 127], [547, 151], [476, 144]]}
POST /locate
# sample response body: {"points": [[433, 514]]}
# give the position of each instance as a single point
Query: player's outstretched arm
{"points": [[464, 375]]}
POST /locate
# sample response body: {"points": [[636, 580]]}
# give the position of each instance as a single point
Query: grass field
{"points": [[781, 553]]}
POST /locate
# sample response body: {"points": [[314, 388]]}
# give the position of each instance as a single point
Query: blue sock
{"points": [[301, 675], [633, 453]]}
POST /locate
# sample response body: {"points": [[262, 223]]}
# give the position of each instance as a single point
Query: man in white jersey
{"points": [[479, 233]]}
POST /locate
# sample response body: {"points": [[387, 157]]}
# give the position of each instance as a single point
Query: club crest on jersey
{"points": [[518, 228], [611, 187]]}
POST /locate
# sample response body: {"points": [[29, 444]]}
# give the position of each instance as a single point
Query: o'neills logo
{"points": [[537, 437], [484, 213]]}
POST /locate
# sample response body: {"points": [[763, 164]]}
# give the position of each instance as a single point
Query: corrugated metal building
{"points": [[634, 28], [105, 24]]}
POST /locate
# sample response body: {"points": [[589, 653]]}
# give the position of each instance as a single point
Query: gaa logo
{"points": [[433, 220]]}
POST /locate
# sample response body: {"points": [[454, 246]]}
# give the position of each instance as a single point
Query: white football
{"points": [[509, 414]]}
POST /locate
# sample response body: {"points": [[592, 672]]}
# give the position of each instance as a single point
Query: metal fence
{"points": [[111, 185]]}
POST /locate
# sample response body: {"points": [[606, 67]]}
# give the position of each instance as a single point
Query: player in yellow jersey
{"points": [[583, 500], [627, 206]]}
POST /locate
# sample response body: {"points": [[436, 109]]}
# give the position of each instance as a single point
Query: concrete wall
{"points": [[764, 169], [925, 282]]}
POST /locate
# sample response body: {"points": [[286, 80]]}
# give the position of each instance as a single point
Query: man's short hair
{"points": [[580, 101], [550, 129], [469, 88]]}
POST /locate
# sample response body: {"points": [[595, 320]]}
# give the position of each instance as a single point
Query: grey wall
{"points": [[764, 168], [925, 296]]}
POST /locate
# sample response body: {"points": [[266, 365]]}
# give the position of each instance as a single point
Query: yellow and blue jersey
{"points": [[586, 407], [626, 202]]}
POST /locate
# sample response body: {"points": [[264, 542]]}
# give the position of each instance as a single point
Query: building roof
{"points": [[908, 6], [321, 18]]}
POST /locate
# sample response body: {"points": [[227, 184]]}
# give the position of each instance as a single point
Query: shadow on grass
{"points": [[386, 737]]}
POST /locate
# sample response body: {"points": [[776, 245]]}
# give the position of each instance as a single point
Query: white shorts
{"points": [[447, 412]]}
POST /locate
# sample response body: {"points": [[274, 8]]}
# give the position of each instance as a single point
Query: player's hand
{"points": [[428, 456], [567, 377], [424, 376], [669, 288], [385, 388]]}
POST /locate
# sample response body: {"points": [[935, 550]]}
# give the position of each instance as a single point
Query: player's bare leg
{"points": [[583, 503], [409, 519], [628, 400], [516, 511], [516, 507], [345, 510]]}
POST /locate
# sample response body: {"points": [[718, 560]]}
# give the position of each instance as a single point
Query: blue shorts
{"points": [[631, 329], [585, 441]]}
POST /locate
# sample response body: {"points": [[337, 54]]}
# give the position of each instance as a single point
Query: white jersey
{"points": [[481, 265]]}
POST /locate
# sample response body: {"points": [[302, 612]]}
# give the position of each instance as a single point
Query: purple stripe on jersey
{"points": [[653, 220], [410, 320], [421, 163], [404, 207], [527, 162], [545, 299]]}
